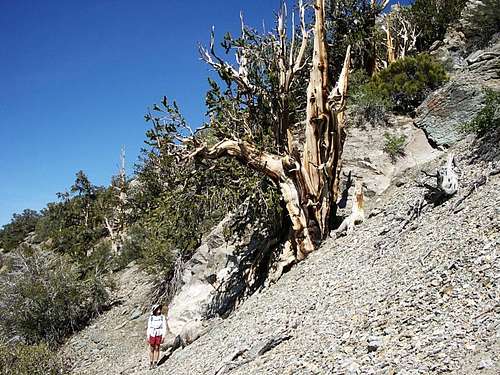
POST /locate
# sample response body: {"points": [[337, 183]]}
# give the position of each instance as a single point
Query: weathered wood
{"points": [[357, 215], [391, 54], [447, 179]]}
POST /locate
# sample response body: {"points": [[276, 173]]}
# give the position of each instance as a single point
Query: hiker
{"points": [[157, 328]]}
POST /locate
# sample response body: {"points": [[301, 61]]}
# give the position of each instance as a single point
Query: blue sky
{"points": [[76, 78]]}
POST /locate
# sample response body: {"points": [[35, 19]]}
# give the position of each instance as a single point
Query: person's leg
{"points": [[151, 355], [157, 354]]}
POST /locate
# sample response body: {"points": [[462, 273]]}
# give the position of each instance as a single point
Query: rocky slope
{"points": [[395, 297], [423, 299]]}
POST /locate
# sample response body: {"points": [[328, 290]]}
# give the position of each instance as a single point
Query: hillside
{"points": [[338, 212], [383, 300]]}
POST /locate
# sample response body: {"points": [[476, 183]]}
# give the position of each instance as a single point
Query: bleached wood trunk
{"points": [[358, 210], [391, 51], [447, 179]]}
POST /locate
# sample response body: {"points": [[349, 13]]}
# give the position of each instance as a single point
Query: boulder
{"points": [[445, 110], [485, 64], [191, 332], [459, 100], [364, 153], [215, 278], [470, 51]]}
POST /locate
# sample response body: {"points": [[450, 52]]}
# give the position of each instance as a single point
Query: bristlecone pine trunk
{"points": [[308, 180]]}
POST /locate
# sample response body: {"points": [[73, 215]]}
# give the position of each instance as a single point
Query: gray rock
{"points": [[486, 64], [450, 51], [364, 153], [485, 364], [479, 22], [95, 339], [374, 342], [445, 110], [459, 100], [135, 314], [213, 279]]}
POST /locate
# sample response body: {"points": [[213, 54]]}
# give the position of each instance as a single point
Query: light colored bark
{"points": [[357, 215], [447, 179], [391, 55]]}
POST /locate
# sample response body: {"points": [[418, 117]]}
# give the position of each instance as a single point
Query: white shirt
{"points": [[157, 325]]}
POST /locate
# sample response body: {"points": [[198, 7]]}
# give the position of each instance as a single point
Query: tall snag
{"points": [[307, 175]]}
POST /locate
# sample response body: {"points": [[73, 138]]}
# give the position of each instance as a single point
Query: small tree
{"points": [[432, 18], [113, 205], [14, 233], [75, 223], [259, 120], [353, 22], [45, 297]]}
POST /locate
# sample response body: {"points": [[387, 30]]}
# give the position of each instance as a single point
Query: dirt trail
{"points": [[115, 342]]}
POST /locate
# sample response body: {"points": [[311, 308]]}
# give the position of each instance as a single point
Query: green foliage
{"points": [[45, 297], [394, 145], [432, 18], [76, 223], [12, 234], [131, 249], [488, 119], [367, 104], [252, 114], [407, 82], [37, 359]]}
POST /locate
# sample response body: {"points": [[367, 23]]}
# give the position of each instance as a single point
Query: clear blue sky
{"points": [[76, 78]]}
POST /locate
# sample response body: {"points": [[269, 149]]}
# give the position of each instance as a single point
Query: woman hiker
{"points": [[157, 328]]}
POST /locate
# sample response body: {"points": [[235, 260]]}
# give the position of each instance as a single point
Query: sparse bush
{"points": [[45, 297], [369, 105], [23, 359], [405, 83], [488, 118], [394, 145]]}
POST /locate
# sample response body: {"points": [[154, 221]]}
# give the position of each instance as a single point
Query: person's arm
{"points": [[149, 329]]}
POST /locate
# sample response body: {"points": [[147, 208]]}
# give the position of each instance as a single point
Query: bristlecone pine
{"points": [[308, 180]]}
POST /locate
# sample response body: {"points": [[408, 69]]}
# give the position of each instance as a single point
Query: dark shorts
{"points": [[155, 340]]}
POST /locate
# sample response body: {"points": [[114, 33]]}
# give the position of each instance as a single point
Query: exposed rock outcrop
{"points": [[471, 53], [217, 276], [478, 27], [364, 153], [459, 100], [442, 113]]}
